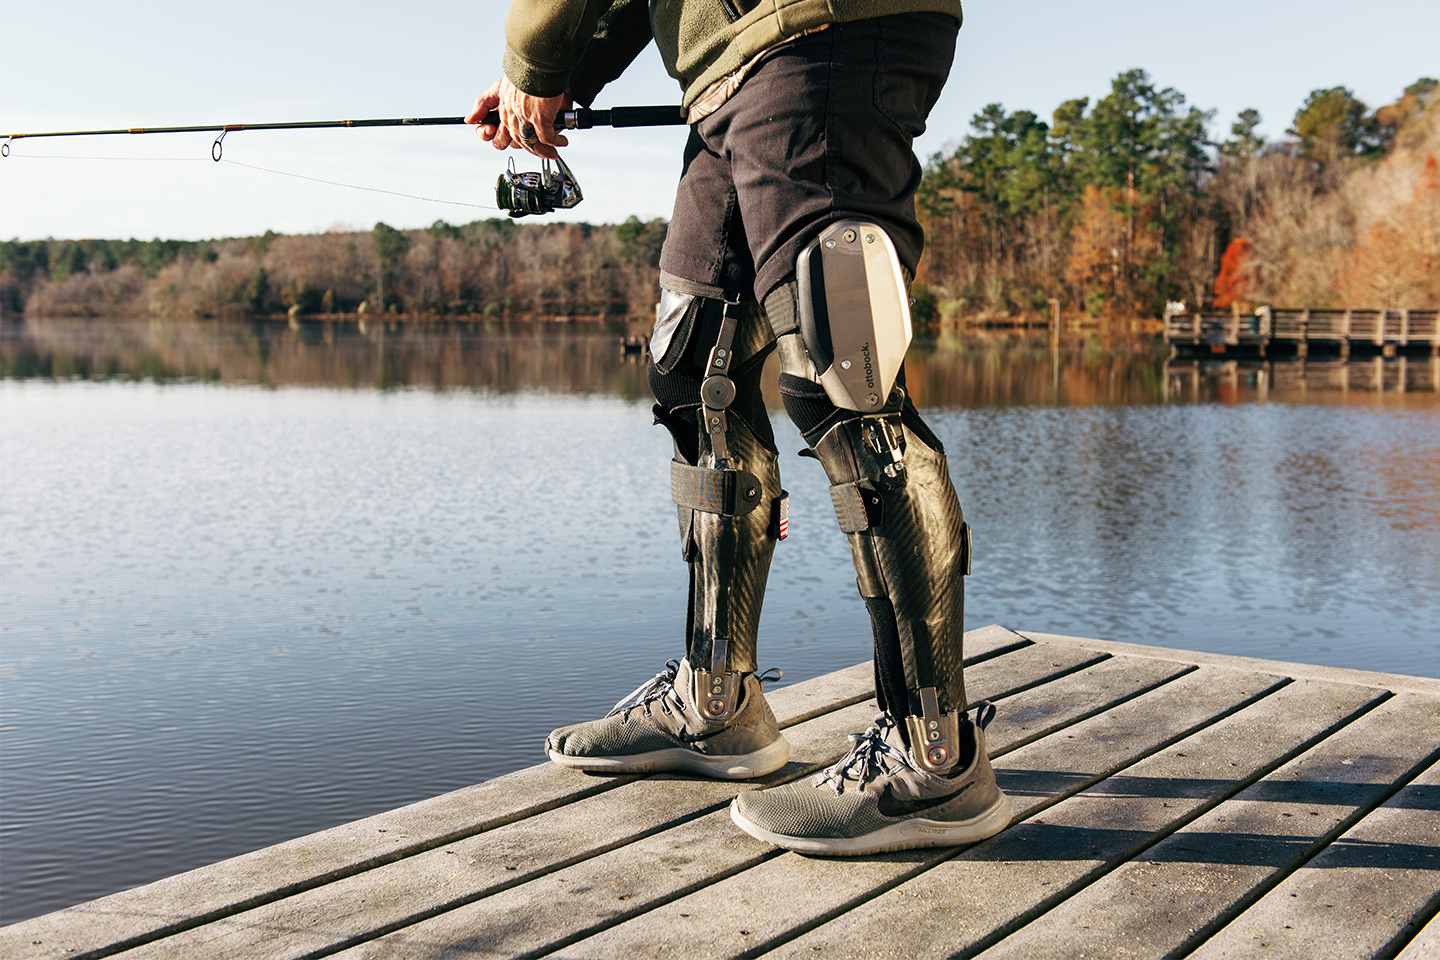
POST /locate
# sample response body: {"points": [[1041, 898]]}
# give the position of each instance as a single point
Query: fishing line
{"points": [[355, 186]]}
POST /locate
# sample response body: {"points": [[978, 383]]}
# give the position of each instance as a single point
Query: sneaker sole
{"points": [[744, 766], [910, 834]]}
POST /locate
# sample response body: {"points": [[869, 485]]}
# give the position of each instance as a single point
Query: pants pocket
{"points": [[913, 56]]}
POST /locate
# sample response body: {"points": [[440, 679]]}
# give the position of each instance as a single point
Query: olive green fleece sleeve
{"points": [[544, 40], [623, 31]]}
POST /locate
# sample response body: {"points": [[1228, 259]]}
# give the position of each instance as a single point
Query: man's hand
{"points": [[526, 122]]}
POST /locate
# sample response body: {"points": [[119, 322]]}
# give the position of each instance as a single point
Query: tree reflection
{"points": [[960, 370]]}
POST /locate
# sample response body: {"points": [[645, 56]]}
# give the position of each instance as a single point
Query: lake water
{"points": [[256, 581]]}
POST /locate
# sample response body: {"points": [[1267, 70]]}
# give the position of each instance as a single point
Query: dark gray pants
{"points": [[821, 130]]}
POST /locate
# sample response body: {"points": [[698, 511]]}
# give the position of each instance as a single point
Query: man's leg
{"points": [[706, 713], [921, 776]]}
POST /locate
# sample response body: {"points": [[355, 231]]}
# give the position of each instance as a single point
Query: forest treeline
{"points": [[1118, 207], [1113, 209], [489, 268]]}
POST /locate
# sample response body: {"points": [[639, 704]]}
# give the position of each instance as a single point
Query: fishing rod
{"points": [[518, 193]]}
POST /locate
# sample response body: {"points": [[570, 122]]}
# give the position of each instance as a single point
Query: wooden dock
{"points": [[1272, 331], [1168, 804]]}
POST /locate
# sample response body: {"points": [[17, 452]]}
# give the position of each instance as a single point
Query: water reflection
{"points": [[232, 616], [1300, 379], [964, 370], [491, 357]]}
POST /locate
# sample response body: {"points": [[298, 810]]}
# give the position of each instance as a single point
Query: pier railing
{"points": [[1339, 330]]}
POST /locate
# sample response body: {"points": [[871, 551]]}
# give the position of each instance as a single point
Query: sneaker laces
{"points": [[656, 688], [870, 756]]}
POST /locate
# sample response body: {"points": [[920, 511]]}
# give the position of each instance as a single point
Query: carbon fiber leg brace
{"points": [[911, 548], [725, 480]]}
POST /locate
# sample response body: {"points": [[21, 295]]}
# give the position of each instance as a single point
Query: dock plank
{"points": [[1177, 892], [988, 890], [1394, 682], [755, 909], [485, 928], [1361, 894], [394, 895]]}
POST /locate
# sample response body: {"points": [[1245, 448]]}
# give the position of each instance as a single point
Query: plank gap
{"points": [[1126, 698], [655, 904], [1404, 938]]}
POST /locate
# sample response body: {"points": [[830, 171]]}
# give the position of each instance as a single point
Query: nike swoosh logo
{"points": [[891, 806]]}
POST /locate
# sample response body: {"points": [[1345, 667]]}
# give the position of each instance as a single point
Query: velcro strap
{"points": [[780, 308], [856, 507], [730, 493]]}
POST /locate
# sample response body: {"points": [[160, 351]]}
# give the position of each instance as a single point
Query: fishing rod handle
{"points": [[582, 118]]}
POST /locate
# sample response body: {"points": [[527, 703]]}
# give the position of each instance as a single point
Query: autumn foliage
{"points": [[1232, 286], [1117, 207]]}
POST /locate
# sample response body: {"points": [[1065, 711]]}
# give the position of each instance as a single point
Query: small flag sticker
{"points": [[782, 516]]}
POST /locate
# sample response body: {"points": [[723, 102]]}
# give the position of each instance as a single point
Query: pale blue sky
{"points": [[113, 64]]}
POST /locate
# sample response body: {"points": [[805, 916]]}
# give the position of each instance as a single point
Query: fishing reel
{"points": [[552, 187]]}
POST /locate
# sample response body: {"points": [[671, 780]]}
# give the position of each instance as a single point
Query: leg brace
{"points": [[910, 544], [707, 355]]}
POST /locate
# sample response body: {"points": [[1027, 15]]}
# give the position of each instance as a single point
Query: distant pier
{"points": [[1274, 331]]}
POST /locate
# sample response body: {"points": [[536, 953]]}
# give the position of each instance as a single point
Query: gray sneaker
{"points": [[876, 799], [659, 728]]}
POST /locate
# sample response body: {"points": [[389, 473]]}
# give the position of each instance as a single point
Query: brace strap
{"points": [[730, 493], [857, 507]]}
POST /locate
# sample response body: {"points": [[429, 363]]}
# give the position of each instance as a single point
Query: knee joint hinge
{"points": [[934, 737], [717, 390], [715, 690]]}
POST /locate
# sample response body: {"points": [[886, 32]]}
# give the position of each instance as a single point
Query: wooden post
{"points": [[1302, 348]]}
